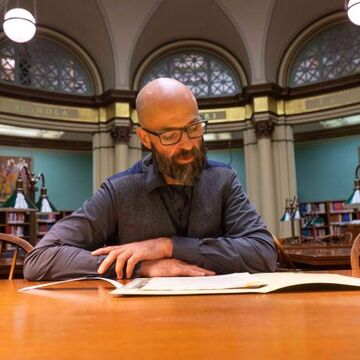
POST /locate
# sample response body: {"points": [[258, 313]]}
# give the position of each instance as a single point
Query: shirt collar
{"points": [[154, 178]]}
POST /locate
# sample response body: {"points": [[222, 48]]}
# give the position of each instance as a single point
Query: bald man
{"points": [[174, 213]]}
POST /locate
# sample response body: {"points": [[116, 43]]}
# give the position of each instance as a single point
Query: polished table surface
{"points": [[83, 321], [325, 256]]}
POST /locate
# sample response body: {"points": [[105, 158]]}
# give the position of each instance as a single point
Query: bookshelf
{"points": [[339, 217], [321, 218], [15, 222], [44, 222]]}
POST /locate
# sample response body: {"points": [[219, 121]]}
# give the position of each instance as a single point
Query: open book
{"points": [[223, 284]]}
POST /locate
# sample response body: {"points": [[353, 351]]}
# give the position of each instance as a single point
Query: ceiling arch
{"points": [[287, 22], [188, 20]]}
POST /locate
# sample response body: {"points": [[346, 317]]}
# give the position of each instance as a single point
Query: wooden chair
{"points": [[346, 238], [330, 238], [284, 263], [355, 253], [19, 243]]}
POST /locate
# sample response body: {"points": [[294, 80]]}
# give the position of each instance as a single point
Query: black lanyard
{"points": [[182, 227]]}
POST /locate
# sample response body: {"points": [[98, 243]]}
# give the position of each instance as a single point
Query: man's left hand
{"points": [[131, 254]]}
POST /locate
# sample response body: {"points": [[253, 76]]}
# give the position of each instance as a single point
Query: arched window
{"points": [[203, 72], [44, 64], [331, 54]]}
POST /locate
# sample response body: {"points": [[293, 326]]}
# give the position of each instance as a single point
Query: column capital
{"points": [[120, 134], [263, 128]]}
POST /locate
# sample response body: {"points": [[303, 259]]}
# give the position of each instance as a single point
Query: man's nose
{"points": [[185, 142]]}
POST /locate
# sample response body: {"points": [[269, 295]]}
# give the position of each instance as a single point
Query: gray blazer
{"points": [[225, 232]]}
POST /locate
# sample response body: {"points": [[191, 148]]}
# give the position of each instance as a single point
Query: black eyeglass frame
{"points": [[182, 130]]}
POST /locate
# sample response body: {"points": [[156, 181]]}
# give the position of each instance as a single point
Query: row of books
{"points": [[44, 228], [340, 218], [315, 233], [337, 206], [336, 230], [308, 208], [15, 217], [17, 230]]}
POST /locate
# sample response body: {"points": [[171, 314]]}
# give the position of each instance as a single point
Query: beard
{"points": [[187, 174]]}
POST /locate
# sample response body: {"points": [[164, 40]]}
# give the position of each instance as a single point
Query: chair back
{"points": [[283, 261], [355, 253], [346, 238], [19, 243]]}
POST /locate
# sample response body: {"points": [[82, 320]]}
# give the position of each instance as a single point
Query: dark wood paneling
{"points": [[246, 96], [45, 143]]}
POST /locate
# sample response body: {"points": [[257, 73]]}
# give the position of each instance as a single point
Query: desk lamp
{"points": [[291, 213], [19, 200]]}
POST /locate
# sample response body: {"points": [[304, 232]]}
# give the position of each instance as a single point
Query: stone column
{"points": [[121, 137], [252, 167], [135, 149], [263, 130], [285, 176], [103, 157]]}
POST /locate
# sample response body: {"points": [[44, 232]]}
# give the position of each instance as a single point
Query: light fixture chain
{"points": [[35, 10]]}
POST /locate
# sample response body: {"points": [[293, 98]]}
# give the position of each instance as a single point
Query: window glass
{"points": [[43, 64], [204, 73]]}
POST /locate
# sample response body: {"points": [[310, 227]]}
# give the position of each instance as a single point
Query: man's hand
{"points": [[131, 254], [171, 267]]}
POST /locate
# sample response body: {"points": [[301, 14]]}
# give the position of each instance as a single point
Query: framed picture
{"points": [[10, 167]]}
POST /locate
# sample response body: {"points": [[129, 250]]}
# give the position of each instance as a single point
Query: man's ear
{"points": [[144, 137]]}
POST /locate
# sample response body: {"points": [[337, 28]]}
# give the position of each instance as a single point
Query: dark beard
{"points": [[187, 174]]}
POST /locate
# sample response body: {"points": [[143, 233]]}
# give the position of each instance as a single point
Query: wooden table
{"points": [[321, 256], [82, 321]]}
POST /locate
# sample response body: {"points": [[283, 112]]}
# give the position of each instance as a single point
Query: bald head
{"points": [[163, 98]]}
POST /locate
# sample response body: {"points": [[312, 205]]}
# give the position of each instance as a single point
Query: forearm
{"points": [[62, 262], [228, 254], [65, 251]]}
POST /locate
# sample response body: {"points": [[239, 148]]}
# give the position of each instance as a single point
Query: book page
{"points": [[274, 281], [115, 283], [230, 281], [283, 280]]}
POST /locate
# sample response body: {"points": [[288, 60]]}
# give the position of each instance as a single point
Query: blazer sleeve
{"points": [[245, 245], [65, 251]]}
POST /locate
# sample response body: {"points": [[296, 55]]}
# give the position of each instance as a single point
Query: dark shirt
{"points": [[176, 199]]}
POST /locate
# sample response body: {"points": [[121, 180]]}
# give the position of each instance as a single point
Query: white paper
{"points": [[230, 281], [274, 281], [116, 284]]}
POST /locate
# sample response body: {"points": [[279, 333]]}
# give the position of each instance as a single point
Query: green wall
{"points": [[68, 175], [325, 169], [234, 158]]}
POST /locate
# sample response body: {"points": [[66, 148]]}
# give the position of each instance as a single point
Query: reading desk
{"points": [[83, 321]]}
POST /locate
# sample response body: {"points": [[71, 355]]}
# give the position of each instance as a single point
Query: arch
{"points": [[62, 67], [327, 50], [187, 58]]}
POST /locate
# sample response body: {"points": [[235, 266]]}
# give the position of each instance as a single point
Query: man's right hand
{"points": [[171, 267]]}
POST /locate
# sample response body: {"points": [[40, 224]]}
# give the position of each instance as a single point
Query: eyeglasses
{"points": [[172, 137]]}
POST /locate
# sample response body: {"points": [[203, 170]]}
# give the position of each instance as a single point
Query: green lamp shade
{"points": [[354, 200], [286, 216], [18, 200], [45, 206], [297, 215]]}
